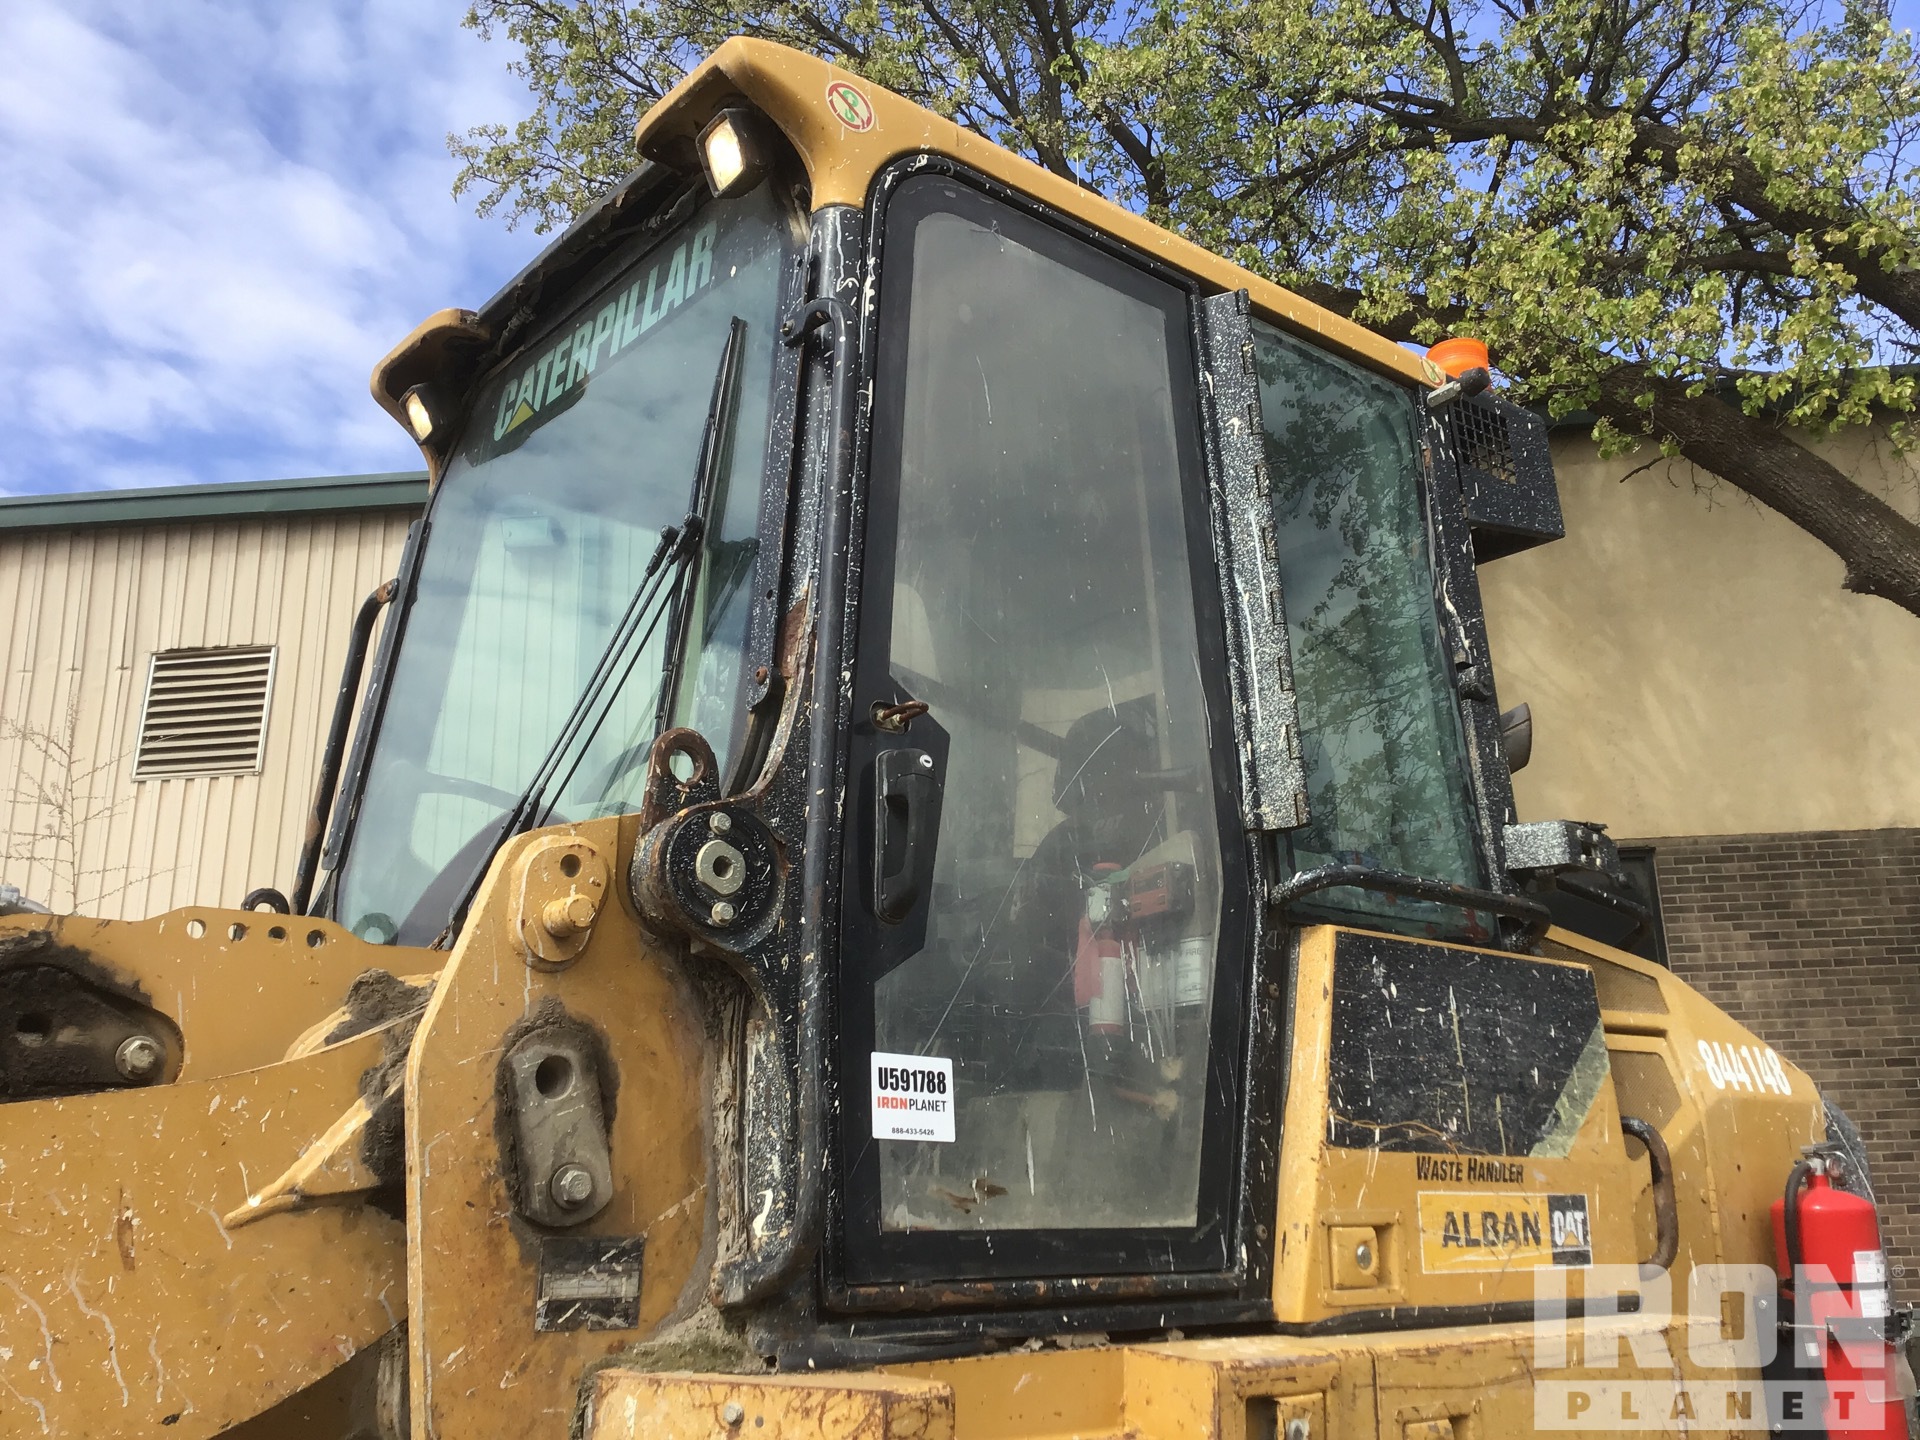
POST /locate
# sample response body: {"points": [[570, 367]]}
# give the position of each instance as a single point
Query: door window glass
{"points": [[1028, 503]]}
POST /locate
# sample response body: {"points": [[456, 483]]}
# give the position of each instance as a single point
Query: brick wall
{"points": [[1812, 941]]}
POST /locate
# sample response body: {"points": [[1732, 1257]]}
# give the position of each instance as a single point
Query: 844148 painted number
{"points": [[1744, 1067]]}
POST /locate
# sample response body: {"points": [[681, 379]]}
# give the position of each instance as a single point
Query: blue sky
{"points": [[218, 215]]}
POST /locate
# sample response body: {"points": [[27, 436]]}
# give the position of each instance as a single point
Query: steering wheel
{"points": [[430, 782]]}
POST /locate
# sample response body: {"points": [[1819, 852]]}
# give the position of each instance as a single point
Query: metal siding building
{"points": [[93, 587]]}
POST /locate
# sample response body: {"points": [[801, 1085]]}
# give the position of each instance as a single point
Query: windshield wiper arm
{"points": [[716, 453], [685, 550], [678, 550]]}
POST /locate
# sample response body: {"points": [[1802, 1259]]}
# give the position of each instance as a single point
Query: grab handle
{"points": [[1666, 1213]]}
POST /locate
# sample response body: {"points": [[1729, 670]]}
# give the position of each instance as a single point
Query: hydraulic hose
{"points": [[1790, 1214]]}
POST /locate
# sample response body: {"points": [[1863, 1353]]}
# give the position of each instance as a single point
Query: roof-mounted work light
{"points": [[418, 404], [733, 152]]}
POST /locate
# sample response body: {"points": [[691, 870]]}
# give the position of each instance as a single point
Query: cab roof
{"points": [[792, 89], [845, 130]]}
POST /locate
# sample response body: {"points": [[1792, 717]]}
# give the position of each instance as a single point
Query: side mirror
{"points": [[1516, 736], [1470, 383]]}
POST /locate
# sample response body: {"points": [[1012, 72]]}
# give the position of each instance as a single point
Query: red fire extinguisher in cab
{"points": [[1101, 956], [1828, 1244]]}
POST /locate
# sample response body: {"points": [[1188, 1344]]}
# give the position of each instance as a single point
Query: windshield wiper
{"points": [[670, 571], [716, 454]]}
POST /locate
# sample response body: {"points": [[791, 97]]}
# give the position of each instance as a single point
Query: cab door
{"points": [[1046, 919]]}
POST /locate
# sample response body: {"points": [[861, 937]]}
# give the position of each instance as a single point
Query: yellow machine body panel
{"points": [[1735, 1115], [1441, 1383], [1366, 1229], [139, 1185], [481, 1283], [1371, 1229], [130, 1300], [201, 965], [842, 156]]}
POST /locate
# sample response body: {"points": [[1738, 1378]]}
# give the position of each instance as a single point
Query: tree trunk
{"points": [[1879, 545]]}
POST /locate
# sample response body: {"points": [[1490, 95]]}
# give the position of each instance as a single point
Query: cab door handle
{"points": [[906, 819]]}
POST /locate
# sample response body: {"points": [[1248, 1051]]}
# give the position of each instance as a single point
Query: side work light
{"points": [[733, 152]]}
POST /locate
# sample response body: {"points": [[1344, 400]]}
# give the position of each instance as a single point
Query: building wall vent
{"points": [[205, 712]]}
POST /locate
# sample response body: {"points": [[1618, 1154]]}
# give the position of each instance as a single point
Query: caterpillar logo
{"points": [[1462, 1231], [567, 363]]}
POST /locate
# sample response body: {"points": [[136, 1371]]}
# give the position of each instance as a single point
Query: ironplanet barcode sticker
{"points": [[912, 1097]]}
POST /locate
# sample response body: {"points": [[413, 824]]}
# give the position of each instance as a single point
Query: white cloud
{"points": [[219, 217]]}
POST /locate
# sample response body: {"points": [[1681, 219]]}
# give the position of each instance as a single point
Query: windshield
{"points": [[579, 451]]}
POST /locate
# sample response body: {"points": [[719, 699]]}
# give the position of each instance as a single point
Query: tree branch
{"points": [[1897, 291], [1879, 546]]}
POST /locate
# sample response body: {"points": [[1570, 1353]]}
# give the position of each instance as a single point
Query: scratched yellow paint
{"points": [[240, 984], [128, 1308], [477, 1366], [631, 1406]]}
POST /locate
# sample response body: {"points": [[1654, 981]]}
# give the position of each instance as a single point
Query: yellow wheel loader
{"points": [[926, 850]]}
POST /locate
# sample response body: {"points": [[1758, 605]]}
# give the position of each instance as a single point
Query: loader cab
{"points": [[1049, 950], [1045, 607]]}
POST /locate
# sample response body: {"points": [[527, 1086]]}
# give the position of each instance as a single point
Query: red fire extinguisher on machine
{"points": [[1828, 1243]]}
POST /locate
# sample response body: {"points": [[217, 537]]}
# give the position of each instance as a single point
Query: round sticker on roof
{"points": [[850, 107]]}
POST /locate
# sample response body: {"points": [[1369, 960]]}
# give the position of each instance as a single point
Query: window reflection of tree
{"points": [[1381, 746]]}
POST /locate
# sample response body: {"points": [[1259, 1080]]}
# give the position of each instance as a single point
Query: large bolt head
{"points": [[571, 1186], [138, 1058], [720, 867]]}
